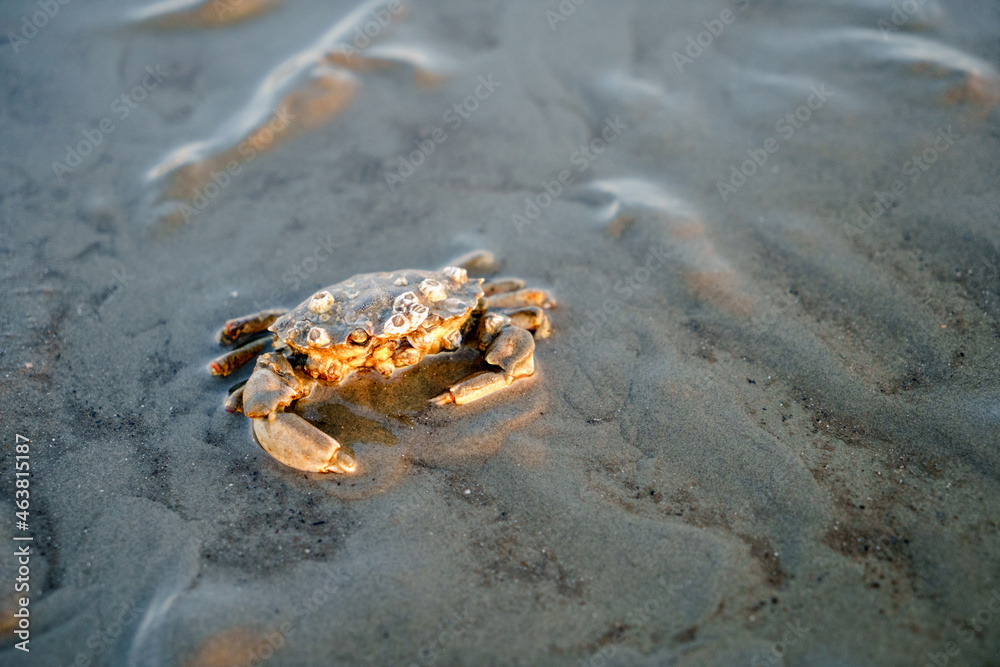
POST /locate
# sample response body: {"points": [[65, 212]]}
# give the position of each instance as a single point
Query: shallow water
{"points": [[764, 430]]}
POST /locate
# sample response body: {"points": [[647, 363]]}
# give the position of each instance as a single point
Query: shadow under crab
{"points": [[381, 322]]}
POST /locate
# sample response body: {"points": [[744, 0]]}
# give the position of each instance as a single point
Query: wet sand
{"points": [[764, 430]]}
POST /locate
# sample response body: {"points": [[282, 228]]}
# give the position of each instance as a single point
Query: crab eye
{"points": [[358, 336]]}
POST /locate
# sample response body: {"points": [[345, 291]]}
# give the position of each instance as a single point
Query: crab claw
{"points": [[274, 385], [300, 445], [287, 437]]}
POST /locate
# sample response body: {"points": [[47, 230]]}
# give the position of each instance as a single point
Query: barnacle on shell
{"points": [[433, 290], [318, 337], [321, 302]]}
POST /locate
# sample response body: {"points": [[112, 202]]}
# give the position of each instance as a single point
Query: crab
{"points": [[376, 322]]}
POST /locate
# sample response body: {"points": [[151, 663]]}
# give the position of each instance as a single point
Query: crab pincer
{"points": [[287, 437]]}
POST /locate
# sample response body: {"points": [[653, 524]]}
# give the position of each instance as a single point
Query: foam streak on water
{"points": [[304, 92]]}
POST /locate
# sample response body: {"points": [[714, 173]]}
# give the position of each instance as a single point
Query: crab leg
{"points": [[477, 261], [522, 297], [491, 287], [531, 318], [238, 327], [230, 361], [473, 387], [512, 350], [234, 402]]}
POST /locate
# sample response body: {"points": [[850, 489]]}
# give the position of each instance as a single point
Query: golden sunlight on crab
{"points": [[377, 322]]}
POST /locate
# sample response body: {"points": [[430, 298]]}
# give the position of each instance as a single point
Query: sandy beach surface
{"points": [[764, 431]]}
